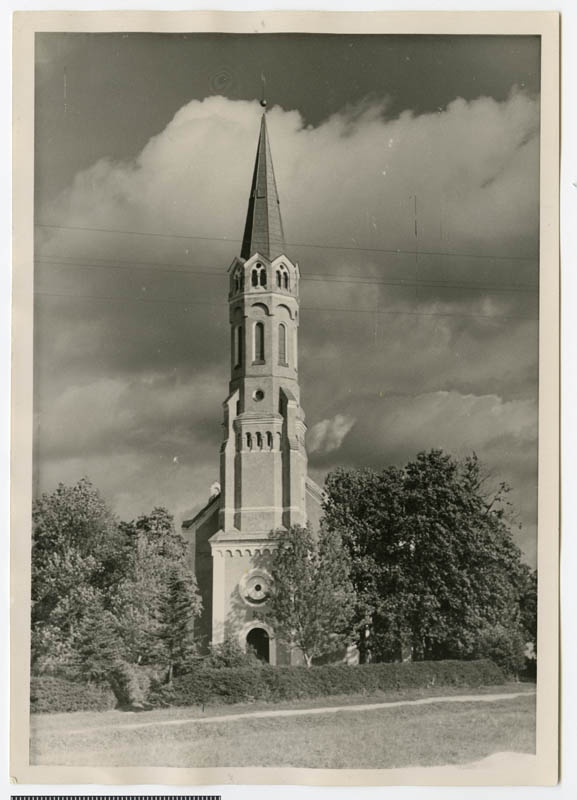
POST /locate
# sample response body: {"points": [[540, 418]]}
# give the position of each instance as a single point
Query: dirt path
{"points": [[297, 712]]}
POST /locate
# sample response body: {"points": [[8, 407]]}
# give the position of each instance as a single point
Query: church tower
{"points": [[263, 462]]}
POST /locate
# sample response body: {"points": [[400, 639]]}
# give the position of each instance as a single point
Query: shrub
{"points": [[52, 694], [244, 684], [229, 654], [129, 684], [505, 646]]}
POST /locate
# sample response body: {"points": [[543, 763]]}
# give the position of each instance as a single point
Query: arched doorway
{"points": [[258, 640]]}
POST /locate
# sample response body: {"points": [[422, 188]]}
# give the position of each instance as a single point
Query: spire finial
{"points": [[263, 232], [263, 98]]}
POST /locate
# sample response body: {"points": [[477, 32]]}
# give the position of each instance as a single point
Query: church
{"points": [[264, 486]]}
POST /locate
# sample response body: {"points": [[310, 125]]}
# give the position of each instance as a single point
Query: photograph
{"points": [[292, 391]]}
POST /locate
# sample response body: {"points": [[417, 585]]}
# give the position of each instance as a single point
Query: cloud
{"points": [[328, 434], [400, 349], [392, 429]]}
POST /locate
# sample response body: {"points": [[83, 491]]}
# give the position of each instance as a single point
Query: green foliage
{"points": [[245, 684], [312, 597], [432, 558], [53, 694]]}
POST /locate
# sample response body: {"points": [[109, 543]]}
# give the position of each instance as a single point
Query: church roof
{"points": [[263, 232], [189, 523]]}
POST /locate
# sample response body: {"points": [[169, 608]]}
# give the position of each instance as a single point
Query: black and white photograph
{"points": [[288, 350]]}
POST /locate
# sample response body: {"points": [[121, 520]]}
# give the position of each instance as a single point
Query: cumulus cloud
{"points": [[328, 434], [393, 428], [400, 349]]}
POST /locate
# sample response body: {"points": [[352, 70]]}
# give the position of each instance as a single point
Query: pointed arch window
{"points": [[238, 280], [259, 343], [258, 275], [282, 340], [282, 277]]}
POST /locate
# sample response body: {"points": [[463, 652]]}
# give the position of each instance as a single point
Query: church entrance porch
{"points": [[257, 636], [258, 640]]}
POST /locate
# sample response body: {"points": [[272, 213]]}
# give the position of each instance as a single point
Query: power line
{"points": [[312, 278], [235, 240], [176, 301]]}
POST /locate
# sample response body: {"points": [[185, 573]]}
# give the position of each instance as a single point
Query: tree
{"points": [[311, 604], [74, 534], [432, 558], [156, 584], [528, 596], [107, 594], [180, 604]]}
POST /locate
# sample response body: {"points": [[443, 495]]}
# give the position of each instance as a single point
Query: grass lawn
{"points": [[395, 737]]}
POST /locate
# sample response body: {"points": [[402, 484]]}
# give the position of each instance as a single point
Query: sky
{"points": [[408, 175]]}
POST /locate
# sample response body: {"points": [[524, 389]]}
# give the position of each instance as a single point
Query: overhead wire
{"points": [[235, 239], [344, 278], [222, 304]]}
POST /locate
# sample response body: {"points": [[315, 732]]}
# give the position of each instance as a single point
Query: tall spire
{"points": [[263, 232]]}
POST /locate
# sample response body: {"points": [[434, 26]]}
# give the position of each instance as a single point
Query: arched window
{"points": [[259, 441], [282, 277], [258, 275], [259, 343], [238, 280], [282, 359], [237, 340], [249, 441], [269, 440]]}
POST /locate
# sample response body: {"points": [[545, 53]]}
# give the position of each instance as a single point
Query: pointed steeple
{"points": [[263, 232]]}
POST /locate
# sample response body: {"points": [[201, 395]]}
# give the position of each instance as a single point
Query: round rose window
{"points": [[255, 586]]}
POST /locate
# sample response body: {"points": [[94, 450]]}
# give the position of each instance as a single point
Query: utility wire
{"points": [[312, 278], [235, 240], [175, 301]]}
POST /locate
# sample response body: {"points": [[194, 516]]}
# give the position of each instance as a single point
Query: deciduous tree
{"points": [[432, 557], [312, 596], [74, 535]]}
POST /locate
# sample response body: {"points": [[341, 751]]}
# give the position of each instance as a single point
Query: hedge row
{"points": [[50, 694], [244, 684]]}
